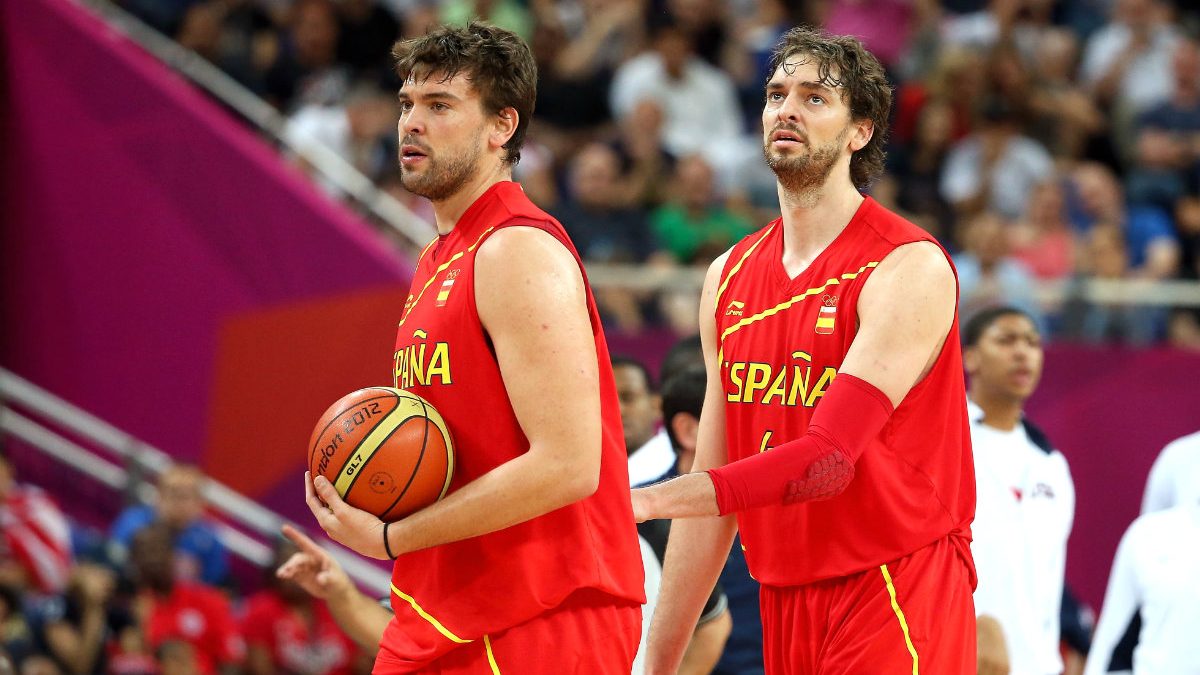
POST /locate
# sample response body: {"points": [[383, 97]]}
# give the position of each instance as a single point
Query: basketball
{"points": [[386, 451]]}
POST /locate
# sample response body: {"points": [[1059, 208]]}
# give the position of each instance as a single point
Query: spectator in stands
{"points": [[1106, 257], [1167, 149], [78, 628], [1153, 574], [646, 165], [714, 625], [695, 226], [597, 214], [361, 131], [987, 275], [1065, 117], [1025, 499], [1149, 238], [1184, 327], [699, 102], [366, 32], [16, 636], [287, 631], [1127, 63], [996, 167], [306, 70], [1043, 240], [917, 167], [180, 506], [957, 79], [168, 609], [35, 539], [577, 54], [1175, 477]]}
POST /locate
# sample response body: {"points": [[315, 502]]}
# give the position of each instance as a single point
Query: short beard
{"points": [[799, 175], [442, 178]]}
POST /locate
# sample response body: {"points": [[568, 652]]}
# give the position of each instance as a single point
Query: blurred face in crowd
{"points": [[1006, 362], [1046, 205], [639, 407], [987, 239], [153, 558], [180, 501], [807, 130], [694, 181], [594, 173], [1099, 192], [316, 32], [443, 134]]}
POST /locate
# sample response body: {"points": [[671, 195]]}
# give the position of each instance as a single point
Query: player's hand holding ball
{"points": [[376, 455]]}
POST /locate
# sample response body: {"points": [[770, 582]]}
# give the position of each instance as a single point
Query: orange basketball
{"points": [[385, 450]]}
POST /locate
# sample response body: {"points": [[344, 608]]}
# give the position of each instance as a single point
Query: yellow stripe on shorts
{"points": [[887, 579]]}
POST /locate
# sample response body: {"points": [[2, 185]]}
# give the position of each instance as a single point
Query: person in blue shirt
{"points": [[200, 554]]}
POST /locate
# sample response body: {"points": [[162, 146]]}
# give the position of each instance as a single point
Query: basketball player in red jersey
{"points": [[834, 426], [531, 563]]}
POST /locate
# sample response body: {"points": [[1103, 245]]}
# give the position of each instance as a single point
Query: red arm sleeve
{"points": [[818, 465]]}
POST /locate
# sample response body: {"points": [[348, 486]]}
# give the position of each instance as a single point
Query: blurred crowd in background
{"points": [[1043, 142]]}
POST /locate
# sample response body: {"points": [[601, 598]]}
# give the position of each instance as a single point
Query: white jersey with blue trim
{"points": [[1024, 512]]}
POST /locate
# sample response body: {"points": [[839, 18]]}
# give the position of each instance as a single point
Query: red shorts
{"points": [[913, 615], [589, 633]]}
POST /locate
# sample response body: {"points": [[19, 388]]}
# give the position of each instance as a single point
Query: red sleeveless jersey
{"points": [[481, 585], [782, 341]]}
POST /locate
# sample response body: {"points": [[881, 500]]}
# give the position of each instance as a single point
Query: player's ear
{"points": [[861, 132], [970, 360], [504, 126]]}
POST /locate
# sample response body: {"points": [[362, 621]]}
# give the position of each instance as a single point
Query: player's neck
{"points": [[813, 218], [448, 211], [998, 412]]}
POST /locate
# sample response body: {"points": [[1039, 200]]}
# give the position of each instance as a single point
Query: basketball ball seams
{"points": [[361, 469], [420, 457], [372, 440], [444, 430], [337, 419]]}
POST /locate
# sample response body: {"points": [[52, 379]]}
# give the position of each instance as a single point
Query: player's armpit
{"points": [[905, 313]]}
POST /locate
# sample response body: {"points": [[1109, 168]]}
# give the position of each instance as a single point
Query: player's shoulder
{"points": [[892, 227], [526, 243], [1183, 448], [1156, 525]]}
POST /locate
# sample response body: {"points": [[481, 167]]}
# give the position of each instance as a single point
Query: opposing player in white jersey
{"points": [[1025, 500], [1153, 600], [1175, 476]]}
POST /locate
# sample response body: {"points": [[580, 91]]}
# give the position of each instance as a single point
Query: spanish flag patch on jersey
{"points": [[825, 318]]}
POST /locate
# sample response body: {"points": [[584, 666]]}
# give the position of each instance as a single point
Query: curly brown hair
{"points": [[498, 63], [845, 65]]}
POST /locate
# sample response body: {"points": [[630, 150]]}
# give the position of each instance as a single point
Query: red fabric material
{"points": [[34, 532], [817, 466], [782, 342], [295, 644], [486, 584], [201, 617], [587, 634], [848, 626]]}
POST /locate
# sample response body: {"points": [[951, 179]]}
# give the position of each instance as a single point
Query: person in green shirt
{"points": [[695, 226]]}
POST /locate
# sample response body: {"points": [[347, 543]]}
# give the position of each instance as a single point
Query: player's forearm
{"points": [[360, 617], [688, 496], [696, 552], [521, 489], [706, 646]]}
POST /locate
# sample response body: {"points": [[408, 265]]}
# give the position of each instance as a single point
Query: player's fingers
{"points": [[302, 541], [310, 497], [328, 494]]}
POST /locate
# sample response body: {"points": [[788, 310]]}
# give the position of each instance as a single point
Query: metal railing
{"points": [[330, 165], [17, 391]]}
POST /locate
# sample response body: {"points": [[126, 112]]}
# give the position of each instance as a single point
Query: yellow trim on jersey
{"points": [[487, 644], [887, 579], [442, 268], [787, 304], [425, 615], [738, 266]]}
